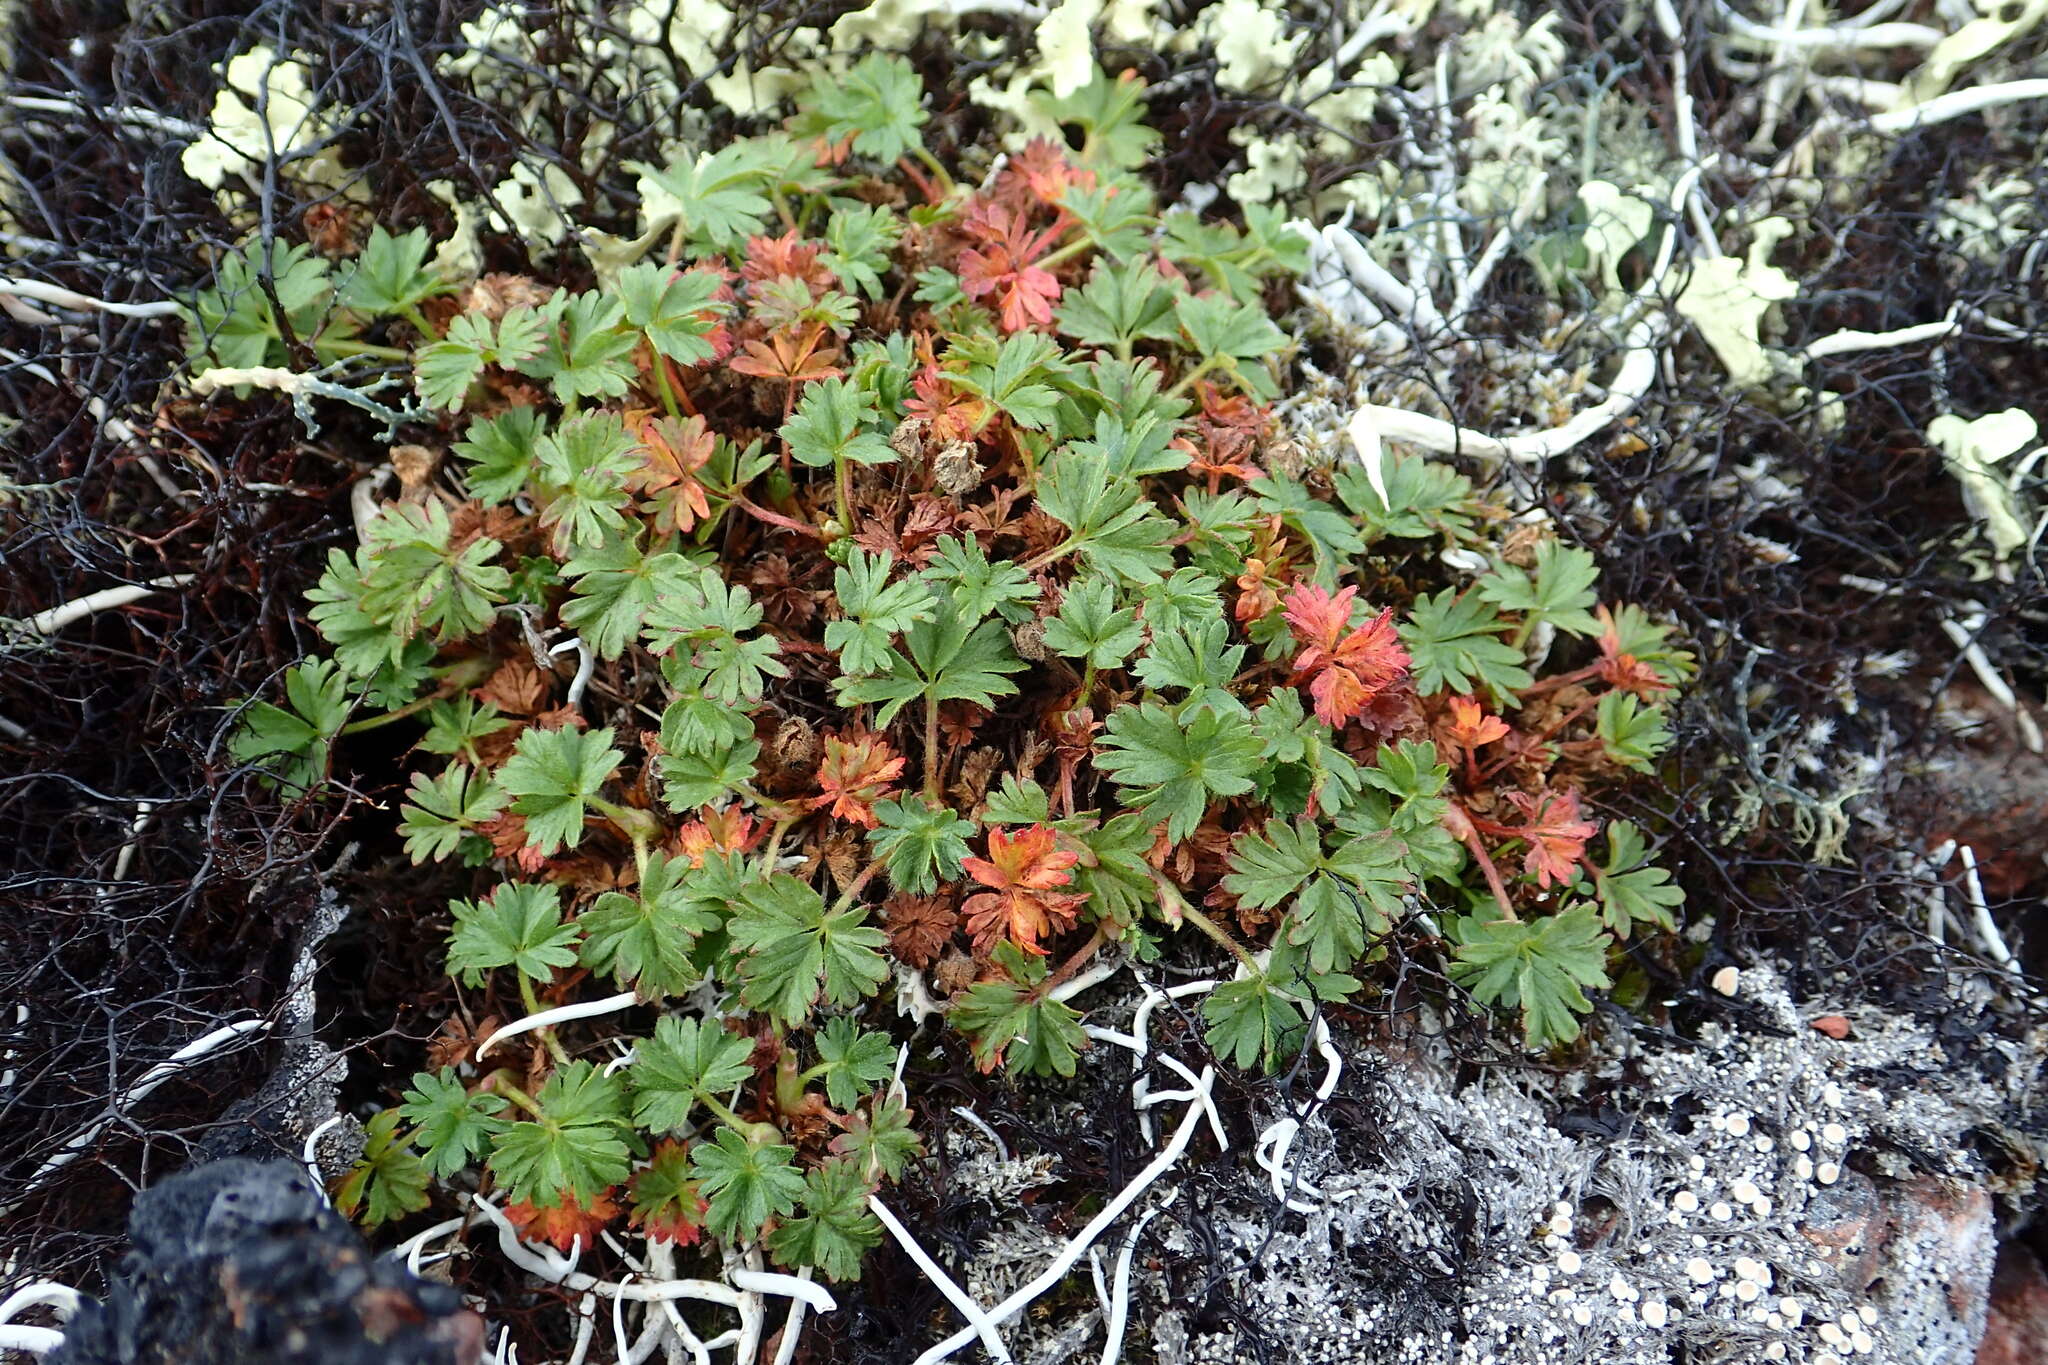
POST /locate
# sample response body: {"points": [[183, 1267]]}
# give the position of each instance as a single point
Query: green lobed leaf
{"points": [[439, 812], [553, 774], [832, 423], [518, 925], [794, 950], [853, 1061], [501, 452], [747, 1184], [1557, 592], [921, 843], [1454, 645], [835, 1230], [878, 103], [576, 1150], [1537, 967], [391, 274], [454, 1127], [1089, 626], [643, 939], [388, 1181], [1173, 764], [875, 611], [685, 1062], [1012, 1022], [1253, 1024]]}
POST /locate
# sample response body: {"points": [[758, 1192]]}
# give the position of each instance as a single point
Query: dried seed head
{"points": [[955, 470]]}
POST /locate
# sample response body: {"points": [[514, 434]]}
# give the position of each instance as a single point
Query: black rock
{"points": [[241, 1262]]}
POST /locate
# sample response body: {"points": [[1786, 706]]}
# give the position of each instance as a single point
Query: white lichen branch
{"points": [[561, 1014], [106, 599], [1078, 1246], [185, 1056], [59, 297]]}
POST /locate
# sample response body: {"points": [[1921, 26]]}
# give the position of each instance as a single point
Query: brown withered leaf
{"points": [[456, 1041], [919, 927], [779, 588], [843, 851], [955, 470], [495, 294], [516, 688], [977, 770], [995, 517], [794, 746], [415, 466], [471, 521], [954, 973]]}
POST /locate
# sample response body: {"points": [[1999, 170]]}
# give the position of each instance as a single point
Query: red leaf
{"points": [[1555, 832], [1004, 267], [1346, 668], [1022, 871]]}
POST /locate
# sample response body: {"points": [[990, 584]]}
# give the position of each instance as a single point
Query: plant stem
{"points": [[932, 164], [668, 394], [1072, 964], [1039, 561], [1065, 253], [774, 518], [858, 885], [1208, 364], [515, 1094], [718, 1107], [418, 704], [1578, 675], [1178, 903], [337, 349], [842, 491], [1470, 838], [931, 748], [547, 1035]]}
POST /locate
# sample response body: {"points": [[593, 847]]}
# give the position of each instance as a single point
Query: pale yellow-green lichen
{"points": [[1726, 298], [239, 137]]}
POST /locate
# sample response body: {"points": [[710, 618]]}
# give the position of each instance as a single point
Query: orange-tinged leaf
{"points": [[855, 774], [1021, 871], [1044, 173], [726, 831], [666, 1204], [671, 452], [1346, 668], [1469, 727], [1555, 832], [1002, 266], [566, 1224], [790, 358], [788, 256], [951, 415]]}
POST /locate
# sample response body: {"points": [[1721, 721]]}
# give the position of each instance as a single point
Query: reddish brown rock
{"points": [[2016, 1327]]}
